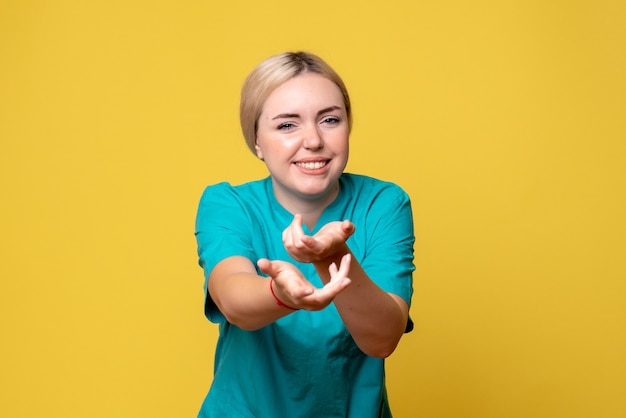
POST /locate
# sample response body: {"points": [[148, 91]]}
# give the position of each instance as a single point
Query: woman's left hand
{"points": [[327, 242]]}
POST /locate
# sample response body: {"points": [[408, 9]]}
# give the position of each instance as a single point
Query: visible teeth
{"points": [[313, 165]]}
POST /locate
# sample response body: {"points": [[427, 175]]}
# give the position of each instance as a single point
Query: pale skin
{"points": [[303, 139]]}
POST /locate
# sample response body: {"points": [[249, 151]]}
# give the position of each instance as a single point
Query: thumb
{"points": [[348, 227], [267, 267]]}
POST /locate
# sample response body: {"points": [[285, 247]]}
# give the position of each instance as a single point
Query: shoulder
{"points": [[225, 203], [372, 188], [224, 192], [225, 188]]}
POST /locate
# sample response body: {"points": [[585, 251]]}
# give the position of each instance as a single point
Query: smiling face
{"points": [[302, 135]]}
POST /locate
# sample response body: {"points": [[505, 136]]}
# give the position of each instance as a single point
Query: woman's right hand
{"points": [[294, 290]]}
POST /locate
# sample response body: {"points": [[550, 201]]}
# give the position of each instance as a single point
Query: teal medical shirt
{"points": [[305, 364]]}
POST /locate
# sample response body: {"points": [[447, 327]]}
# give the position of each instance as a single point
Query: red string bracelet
{"points": [[278, 301]]}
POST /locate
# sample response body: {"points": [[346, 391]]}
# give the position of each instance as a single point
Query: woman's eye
{"points": [[285, 126], [331, 120]]}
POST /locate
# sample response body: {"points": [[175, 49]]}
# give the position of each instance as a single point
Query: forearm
{"points": [[375, 319], [244, 298]]}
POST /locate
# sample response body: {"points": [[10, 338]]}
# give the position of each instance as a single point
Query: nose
{"points": [[312, 139]]}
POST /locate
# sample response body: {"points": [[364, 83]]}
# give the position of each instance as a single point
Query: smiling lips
{"points": [[311, 165]]}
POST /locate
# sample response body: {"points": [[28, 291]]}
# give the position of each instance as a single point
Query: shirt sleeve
{"points": [[222, 230], [390, 235]]}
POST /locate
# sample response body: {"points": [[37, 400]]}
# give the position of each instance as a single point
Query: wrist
{"points": [[278, 301]]}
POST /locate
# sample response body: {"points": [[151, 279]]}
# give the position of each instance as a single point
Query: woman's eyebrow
{"points": [[328, 109], [295, 115], [286, 116]]}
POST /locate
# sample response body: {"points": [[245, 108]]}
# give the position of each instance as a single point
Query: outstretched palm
{"points": [[327, 242]]}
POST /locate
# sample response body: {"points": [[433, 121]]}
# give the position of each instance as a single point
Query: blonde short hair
{"points": [[269, 75]]}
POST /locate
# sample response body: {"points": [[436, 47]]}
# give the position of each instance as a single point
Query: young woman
{"points": [[308, 271]]}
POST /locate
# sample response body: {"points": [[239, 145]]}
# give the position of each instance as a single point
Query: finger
{"points": [[266, 266], [335, 286], [297, 232], [343, 270], [291, 234], [348, 227], [322, 297], [344, 266], [275, 268], [332, 269], [297, 220], [312, 244], [339, 279], [299, 289]]}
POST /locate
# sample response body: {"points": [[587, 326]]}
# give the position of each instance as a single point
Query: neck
{"points": [[310, 207], [310, 217]]}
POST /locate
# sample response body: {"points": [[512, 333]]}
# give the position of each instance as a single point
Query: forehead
{"points": [[310, 89]]}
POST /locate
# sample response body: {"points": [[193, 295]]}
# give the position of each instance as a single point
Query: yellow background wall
{"points": [[504, 120]]}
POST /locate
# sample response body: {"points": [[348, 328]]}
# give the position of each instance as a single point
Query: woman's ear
{"points": [[259, 153]]}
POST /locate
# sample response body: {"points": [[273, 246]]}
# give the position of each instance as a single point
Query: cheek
{"points": [[278, 147], [342, 143], [270, 150]]}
